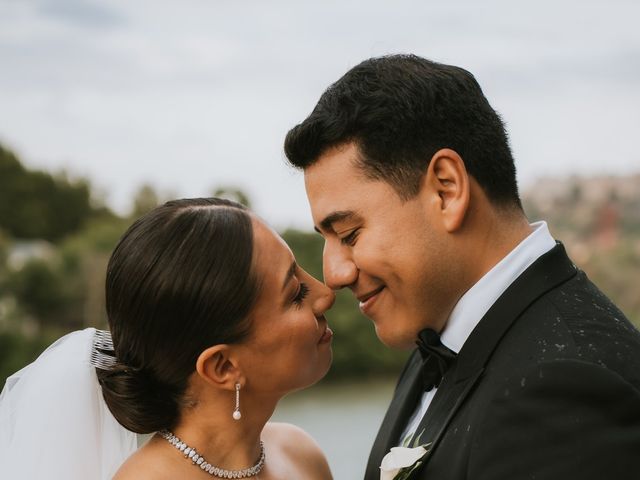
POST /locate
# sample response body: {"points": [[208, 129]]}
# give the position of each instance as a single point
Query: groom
{"points": [[524, 369]]}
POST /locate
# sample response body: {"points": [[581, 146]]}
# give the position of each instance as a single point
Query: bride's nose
{"points": [[323, 300]]}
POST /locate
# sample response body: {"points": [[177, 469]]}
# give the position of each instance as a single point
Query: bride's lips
{"points": [[326, 336], [368, 299]]}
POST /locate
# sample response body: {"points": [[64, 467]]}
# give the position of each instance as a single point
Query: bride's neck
{"points": [[224, 442]]}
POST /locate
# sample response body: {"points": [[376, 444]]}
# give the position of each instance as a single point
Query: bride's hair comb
{"points": [[102, 353]]}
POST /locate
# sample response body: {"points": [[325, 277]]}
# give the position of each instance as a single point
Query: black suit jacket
{"points": [[547, 386]]}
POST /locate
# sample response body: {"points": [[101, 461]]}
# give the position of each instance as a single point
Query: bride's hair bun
{"points": [[179, 281], [138, 402]]}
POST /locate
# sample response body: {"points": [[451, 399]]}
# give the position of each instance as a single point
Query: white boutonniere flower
{"points": [[401, 461]]}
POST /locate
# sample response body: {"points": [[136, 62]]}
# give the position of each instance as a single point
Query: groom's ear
{"points": [[447, 185], [218, 367]]}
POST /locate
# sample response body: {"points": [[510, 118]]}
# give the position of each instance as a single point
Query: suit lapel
{"points": [[445, 404], [549, 271], [402, 406]]}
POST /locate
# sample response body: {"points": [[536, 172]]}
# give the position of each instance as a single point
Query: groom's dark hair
{"points": [[399, 110]]}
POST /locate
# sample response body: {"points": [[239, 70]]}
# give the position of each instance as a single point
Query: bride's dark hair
{"points": [[179, 281]]}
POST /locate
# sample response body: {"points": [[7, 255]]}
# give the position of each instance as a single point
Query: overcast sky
{"points": [[193, 94]]}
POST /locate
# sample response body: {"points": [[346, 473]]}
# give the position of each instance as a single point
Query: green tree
{"points": [[145, 200], [4, 251], [35, 204], [36, 288], [233, 193]]}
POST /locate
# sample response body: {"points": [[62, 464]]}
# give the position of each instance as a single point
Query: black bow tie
{"points": [[436, 358]]}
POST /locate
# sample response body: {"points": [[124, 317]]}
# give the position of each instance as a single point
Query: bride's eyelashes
{"points": [[303, 291]]}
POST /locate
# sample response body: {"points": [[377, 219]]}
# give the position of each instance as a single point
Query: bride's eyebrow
{"points": [[290, 273]]}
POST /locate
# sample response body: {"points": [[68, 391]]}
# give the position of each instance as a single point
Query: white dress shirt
{"points": [[478, 299]]}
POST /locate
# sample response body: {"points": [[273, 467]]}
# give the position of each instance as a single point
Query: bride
{"points": [[212, 322]]}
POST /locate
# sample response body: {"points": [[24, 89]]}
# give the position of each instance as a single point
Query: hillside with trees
{"points": [[598, 220], [52, 282], [55, 241]]}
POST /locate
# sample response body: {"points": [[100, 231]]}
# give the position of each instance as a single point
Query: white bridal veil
{"points": [[54, 423]]}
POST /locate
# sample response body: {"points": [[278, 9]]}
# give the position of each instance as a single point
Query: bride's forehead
{"points": [[271, 262], [270, 252], [266, 237]]}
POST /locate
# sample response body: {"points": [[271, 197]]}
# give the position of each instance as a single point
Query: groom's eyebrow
{"points": [[327, 223], [290, 273]]}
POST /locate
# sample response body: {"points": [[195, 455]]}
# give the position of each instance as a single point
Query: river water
{"points": [[343, 418]]}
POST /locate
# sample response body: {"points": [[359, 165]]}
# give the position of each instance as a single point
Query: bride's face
{"points": [[289, 346]]}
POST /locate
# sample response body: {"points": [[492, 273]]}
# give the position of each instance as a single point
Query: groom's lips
{"points": [[368, 299]]}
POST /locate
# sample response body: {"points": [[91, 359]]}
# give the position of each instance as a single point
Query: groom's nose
{"points": [[338, 267]]}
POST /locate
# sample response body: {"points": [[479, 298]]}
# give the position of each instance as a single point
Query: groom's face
{"points": [[389, 252]]}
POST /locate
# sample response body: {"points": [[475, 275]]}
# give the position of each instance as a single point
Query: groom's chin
{"points": [[394, 338]]}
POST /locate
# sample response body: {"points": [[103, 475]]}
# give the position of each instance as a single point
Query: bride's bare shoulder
{"points": [[289, 437], [145, 464], [299, 447]]}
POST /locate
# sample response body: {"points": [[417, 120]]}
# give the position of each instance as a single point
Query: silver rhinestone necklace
{"points": [[199, 461]]}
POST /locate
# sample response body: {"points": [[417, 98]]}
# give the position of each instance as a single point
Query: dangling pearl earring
{"points": [[236, 413]]}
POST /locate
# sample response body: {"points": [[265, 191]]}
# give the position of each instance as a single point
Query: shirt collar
{"points": [[478, 299]]}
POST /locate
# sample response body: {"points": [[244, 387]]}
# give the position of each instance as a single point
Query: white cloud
{"points": [[189, 95]]}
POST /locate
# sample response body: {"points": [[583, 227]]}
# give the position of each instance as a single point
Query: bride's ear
{"points": [[218, 367]]}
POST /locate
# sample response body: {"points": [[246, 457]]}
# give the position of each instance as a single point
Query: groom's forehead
{"points": [[332, 203], [335, 164], [332, 180]]}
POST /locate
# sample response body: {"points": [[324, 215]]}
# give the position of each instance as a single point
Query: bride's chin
{"points": [[321, 372], [325, 369]]}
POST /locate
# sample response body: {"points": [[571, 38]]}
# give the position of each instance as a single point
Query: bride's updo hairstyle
{"points": [[179, 281]]}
